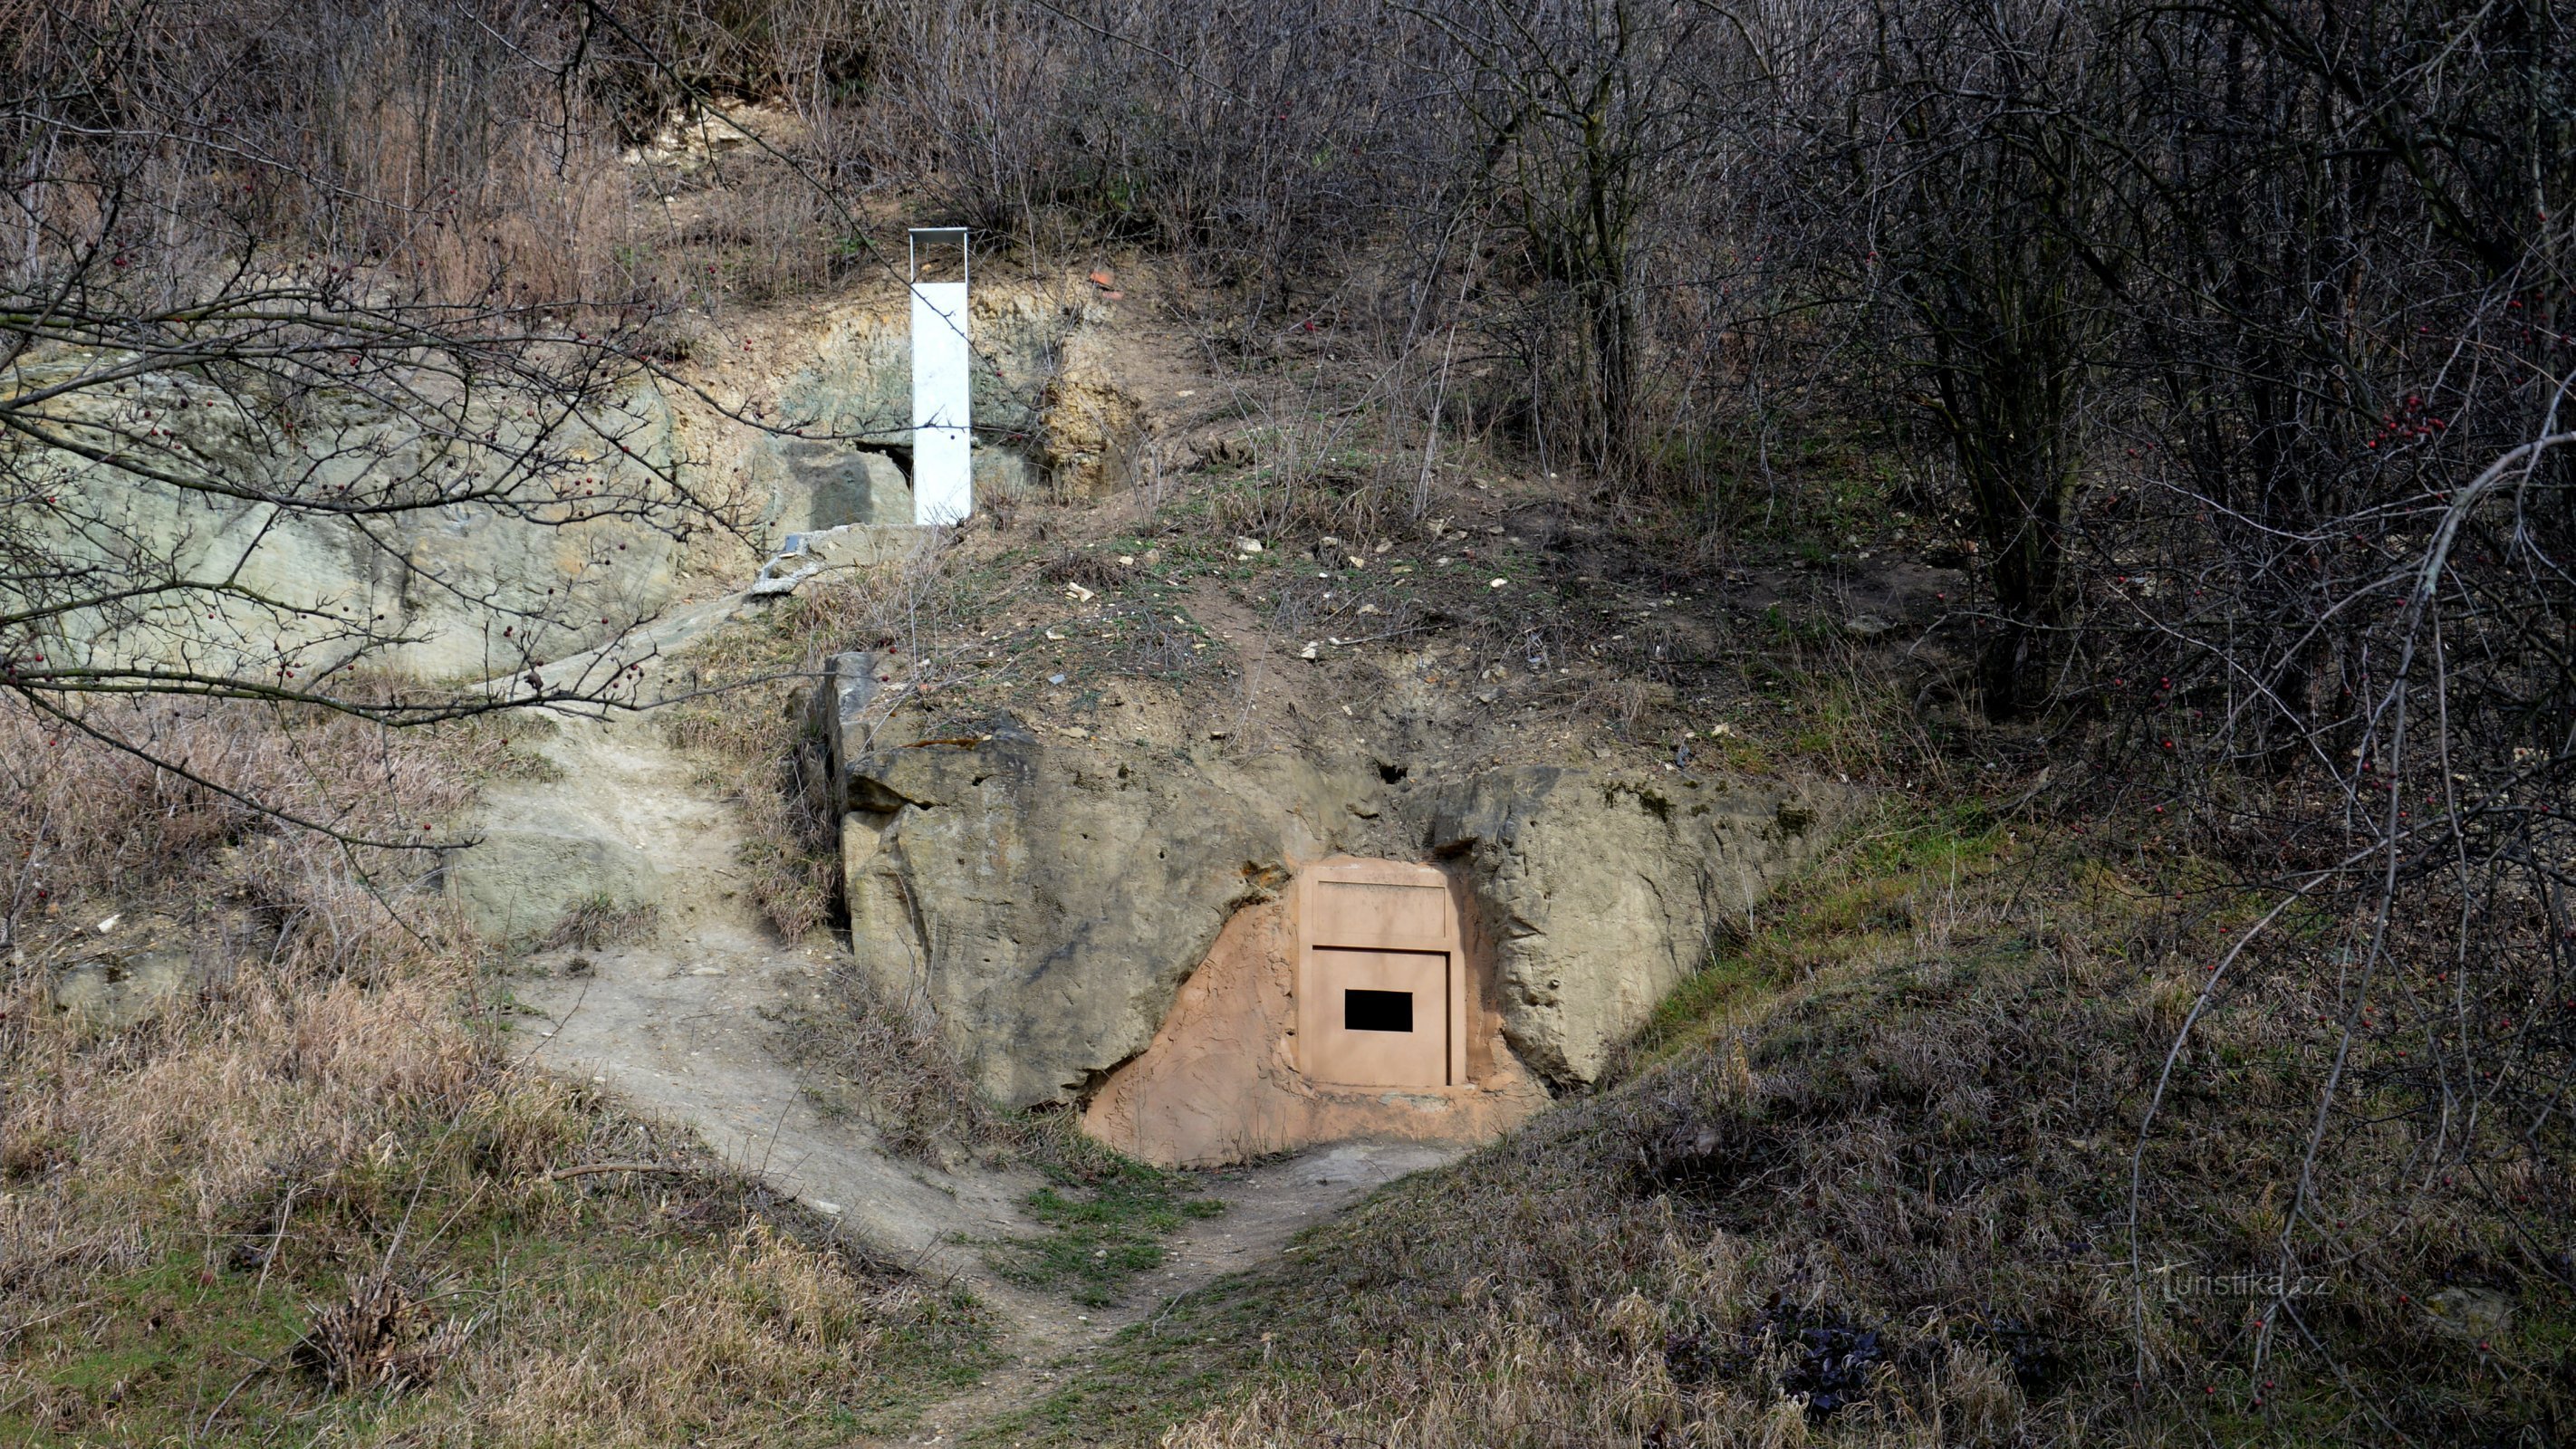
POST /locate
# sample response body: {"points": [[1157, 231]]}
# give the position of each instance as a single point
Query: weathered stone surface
{"points": [[450, 579], [855, 399], [843, 487], [860, 545], [2472, 1313], [837, 714], [1600, 894], [1090, 423], [447, 579], [828, 552], [1001, 474], [1048, 901], [525, 875]]}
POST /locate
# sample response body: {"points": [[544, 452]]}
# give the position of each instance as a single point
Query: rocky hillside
{"points": [[1843, 723]]}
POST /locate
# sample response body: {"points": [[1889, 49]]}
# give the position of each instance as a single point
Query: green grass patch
{"points": [[1156, 1373], [1888, 882], [1105, 1218]]}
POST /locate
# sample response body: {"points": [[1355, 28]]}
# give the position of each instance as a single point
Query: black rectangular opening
{"points": [[1377, 1011]]}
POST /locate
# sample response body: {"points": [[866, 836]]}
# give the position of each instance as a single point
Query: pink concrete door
{"points": [[1380, 990]]}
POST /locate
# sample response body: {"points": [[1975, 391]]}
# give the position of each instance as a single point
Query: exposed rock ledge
{"points": [[1048, 898]]}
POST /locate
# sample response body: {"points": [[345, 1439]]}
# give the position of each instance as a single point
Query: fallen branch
{"points": [[588, 1168]]}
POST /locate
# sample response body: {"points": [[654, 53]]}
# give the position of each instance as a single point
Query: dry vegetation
{"points": [[1868, 1183], [2205, 366], [316, 1193], [749, 733], [755, 744]]}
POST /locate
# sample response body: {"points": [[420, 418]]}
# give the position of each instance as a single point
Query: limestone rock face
{"points": [[855, 398], [599, 826], [845, 488], [1047, 902], [446, 578], [837, 714], [1090, 423], [1047, 899], [1601, 895], [532, 868]]}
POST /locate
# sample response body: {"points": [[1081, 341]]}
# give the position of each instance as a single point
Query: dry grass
{"points": [[454, 161], [1881, 1156], [748, 742], [312, 1195], [877, 1058], [883, 1059], [601, 922]]}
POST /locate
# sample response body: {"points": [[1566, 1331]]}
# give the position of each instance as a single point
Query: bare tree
{"points": [[249, 407], [1581, 117], [1988, 200]]}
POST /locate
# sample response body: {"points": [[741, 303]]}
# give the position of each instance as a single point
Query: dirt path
{"points": [[684, 1025], [1266, 1206]]}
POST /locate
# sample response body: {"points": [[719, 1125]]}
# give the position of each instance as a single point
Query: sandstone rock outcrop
{"points": [[268, 585], [530, 870], [1090, 425], [1039, 398], [1048, 899], [840, 489], [1047, 902], [443, 581], [1602, 894]]}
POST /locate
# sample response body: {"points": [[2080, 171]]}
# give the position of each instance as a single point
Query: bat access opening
{"points": [[1377, 1011]]}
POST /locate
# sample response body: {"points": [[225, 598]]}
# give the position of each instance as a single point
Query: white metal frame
{"points": [[943, 440]]}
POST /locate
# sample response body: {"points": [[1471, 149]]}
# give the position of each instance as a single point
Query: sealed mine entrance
{"points": [[1355, 1003], [1381, 980]]}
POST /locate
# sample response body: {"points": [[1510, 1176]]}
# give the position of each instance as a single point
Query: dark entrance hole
{"points": [[1377, 1011]]}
